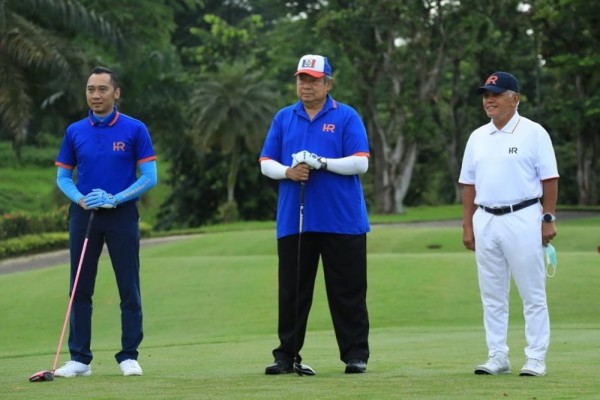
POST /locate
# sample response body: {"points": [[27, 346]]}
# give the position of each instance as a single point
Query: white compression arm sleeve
{"points": [[351, 165], [273, 169]]}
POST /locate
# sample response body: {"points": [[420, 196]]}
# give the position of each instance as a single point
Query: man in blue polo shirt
{"points": [[106, 148], [316, 149]]}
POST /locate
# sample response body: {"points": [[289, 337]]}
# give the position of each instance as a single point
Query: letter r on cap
{"points": [[492, 79]]}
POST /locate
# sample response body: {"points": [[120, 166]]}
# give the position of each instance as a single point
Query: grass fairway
{"points": [[210, 323]]}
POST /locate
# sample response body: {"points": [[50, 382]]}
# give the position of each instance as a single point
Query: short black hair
{"points": [[103, 70]]}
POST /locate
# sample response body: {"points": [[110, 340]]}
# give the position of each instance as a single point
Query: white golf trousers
{"points": [[512, 244]]}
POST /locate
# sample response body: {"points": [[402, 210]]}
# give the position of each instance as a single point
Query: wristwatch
{"points": [[548, 217], [323, 162]]}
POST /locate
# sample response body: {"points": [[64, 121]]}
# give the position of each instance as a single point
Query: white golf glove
{"points": [[304, 156], [300, 157]]}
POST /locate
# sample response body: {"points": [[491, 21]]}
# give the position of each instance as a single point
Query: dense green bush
{"points": [[26, 244], [8, 158], [39, 156], [17, 224], [145, 230], [33, 244]]}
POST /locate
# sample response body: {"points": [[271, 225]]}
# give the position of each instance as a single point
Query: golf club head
{"points": [[303, 370], [42, 376]]}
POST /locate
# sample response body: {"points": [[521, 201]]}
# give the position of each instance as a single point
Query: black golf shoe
{"points": [[356, 367], [279, 367]]}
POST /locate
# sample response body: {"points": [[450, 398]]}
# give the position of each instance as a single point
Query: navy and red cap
{"points": [[499, 82]]}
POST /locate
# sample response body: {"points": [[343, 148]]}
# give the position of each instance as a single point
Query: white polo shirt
{"points": [[507, 166]]}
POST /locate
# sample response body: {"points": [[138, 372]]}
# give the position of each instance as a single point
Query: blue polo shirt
{"points": [[333, 203], [106, 153]]}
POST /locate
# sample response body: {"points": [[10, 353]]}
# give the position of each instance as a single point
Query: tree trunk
{"points": [[234, 167], [587, 146], [586, 165], [403, 178]]}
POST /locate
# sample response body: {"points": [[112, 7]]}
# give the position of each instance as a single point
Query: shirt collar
{"points": [[108, 120], [508, 128]]}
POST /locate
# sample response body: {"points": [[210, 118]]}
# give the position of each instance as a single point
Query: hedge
{"points": [[44, 242], [33, 244], [13, 225]]}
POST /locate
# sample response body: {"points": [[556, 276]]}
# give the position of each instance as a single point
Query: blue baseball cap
{"points": [[314, 65], [499, 82]]}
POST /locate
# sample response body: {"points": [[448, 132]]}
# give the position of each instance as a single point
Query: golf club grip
{"points": [[89, 226], [302, 193]]}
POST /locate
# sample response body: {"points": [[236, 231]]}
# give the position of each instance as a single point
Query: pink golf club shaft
{"points": [[64, 328]]}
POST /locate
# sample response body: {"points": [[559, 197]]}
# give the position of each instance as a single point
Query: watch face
{"points": [[549, 217]]}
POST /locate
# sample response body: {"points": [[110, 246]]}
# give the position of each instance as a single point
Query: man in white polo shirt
{"points": [[510, 187]]}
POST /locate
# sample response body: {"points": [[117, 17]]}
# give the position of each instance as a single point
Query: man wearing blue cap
{"points": [[509, 178], [316, 149]]}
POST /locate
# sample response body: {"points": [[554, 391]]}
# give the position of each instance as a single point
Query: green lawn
{"points": [[210, 322]]}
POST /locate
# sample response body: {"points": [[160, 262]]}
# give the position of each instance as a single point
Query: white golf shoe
{"points": [[496, 364], [72, 369], [130, 367], [533, 367]]}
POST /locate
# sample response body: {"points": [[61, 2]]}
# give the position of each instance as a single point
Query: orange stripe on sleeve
{"points": [[65, 166], [143, 160]]}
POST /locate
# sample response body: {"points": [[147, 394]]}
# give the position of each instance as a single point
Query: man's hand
{"points": [[82, 204], [99, 198], [306, 157], [300, 172], [300, 157], [313, 161], [468, 237]]}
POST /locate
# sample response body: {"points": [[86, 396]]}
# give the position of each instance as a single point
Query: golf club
{"points": [[45, 376], [300, 369]]}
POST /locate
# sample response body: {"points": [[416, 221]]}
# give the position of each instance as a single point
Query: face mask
{"points": [[551, 260]]}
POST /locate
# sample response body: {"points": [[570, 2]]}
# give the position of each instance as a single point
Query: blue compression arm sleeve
{"points": [[146, 181], [64, 180]]}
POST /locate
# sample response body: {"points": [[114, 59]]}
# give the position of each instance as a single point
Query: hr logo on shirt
{"points": [[118, 146], [512, 150], [329, 128]]}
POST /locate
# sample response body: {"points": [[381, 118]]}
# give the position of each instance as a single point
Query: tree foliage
{"points": [[569, 48], [230, 110], [208, 75], [35, 52]]}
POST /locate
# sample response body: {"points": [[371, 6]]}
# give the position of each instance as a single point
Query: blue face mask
{"points": [[551, 260]]}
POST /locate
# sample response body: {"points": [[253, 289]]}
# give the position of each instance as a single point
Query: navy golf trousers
{"points": [[119, 229]]}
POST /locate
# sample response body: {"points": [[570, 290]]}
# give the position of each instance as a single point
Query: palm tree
{"points": [[35, 43], [231, 110]]}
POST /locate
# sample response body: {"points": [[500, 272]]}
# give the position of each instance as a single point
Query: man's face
{"points": [[500, 106], [312, 90], [101, 94]]}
